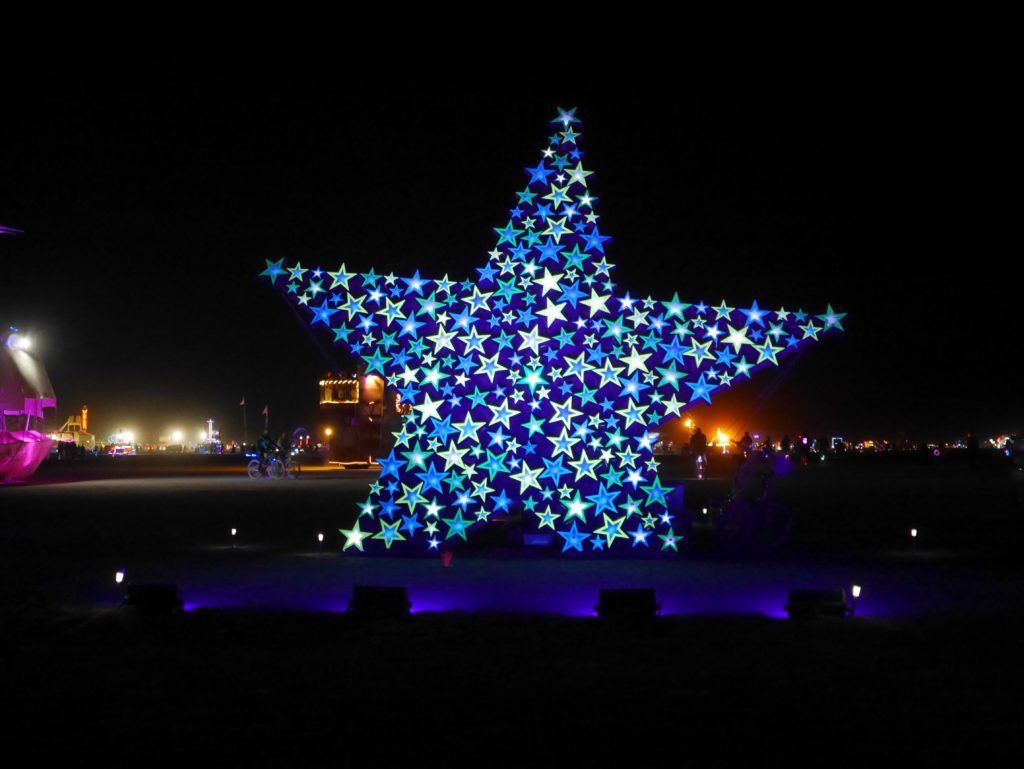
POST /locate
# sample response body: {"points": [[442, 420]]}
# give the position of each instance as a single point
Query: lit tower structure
{"points": [[76, 430], [535, 386]]}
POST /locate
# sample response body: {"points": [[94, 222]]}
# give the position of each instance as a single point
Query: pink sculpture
{"points": [[25, 391]]}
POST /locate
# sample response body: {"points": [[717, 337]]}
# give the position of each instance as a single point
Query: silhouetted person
{"points": [[972, 448], [785, 445], [766, 446], [803, 448], [745, 443], [266, 445]]}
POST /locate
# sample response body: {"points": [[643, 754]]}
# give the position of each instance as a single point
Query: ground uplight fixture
{"points": [[629, 605], [804, 604], [153, 599], [379, 602]]}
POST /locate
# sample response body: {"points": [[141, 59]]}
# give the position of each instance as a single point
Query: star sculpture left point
{"points": [[534, 387]]}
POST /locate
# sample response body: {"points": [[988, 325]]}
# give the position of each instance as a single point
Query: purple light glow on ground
{"points": [[892, 587], [176, 530]]}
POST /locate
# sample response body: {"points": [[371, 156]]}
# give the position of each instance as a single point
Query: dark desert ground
{"points": [[503, 648]]}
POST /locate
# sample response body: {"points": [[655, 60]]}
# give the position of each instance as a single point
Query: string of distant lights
{"points": [[535, 388]]}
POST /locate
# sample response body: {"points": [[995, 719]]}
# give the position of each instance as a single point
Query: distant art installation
{"points": [[25, 391], [536, 389]]}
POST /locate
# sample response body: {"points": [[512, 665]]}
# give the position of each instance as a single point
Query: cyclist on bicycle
{"points": [[266, 447]]}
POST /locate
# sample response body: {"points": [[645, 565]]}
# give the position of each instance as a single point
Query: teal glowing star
{"points": [[535, 388]]}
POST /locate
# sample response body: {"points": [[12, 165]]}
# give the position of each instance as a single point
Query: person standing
{"points": [[699, 448], [972, 448]]}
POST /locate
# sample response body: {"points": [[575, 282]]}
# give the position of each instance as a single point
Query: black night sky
{"points": [[151, 186]]}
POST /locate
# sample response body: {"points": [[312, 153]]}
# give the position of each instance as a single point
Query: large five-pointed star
{"points": [[535, 387]]}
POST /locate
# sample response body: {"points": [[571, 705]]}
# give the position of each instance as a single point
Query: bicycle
{"points": [[275, 467], [291, 467]]}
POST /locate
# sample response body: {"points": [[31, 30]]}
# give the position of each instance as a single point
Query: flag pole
{"points": [[245, 424]]}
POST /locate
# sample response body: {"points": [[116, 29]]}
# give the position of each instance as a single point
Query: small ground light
{"points": [[704, 511], [320, 538], [118, 581], [913, 533], [854, 595]]}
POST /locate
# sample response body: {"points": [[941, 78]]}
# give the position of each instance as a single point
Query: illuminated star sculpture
{"points": [[535, 387]]}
